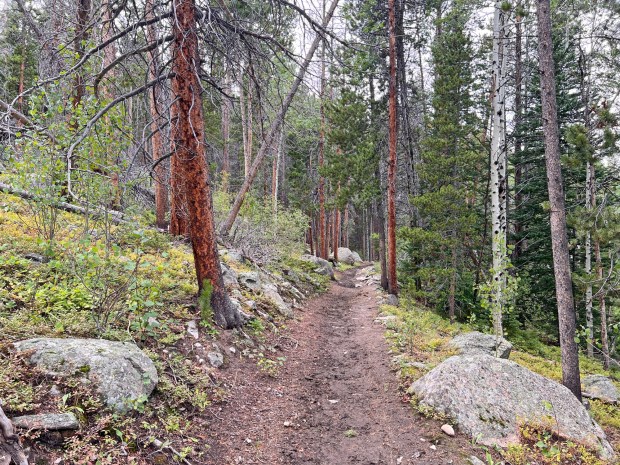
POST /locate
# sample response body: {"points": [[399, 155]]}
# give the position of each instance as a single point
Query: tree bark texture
{"points": [[10, 449], [391, 177], [559, 235], [159, 174], [499, 184], [191, 158]]}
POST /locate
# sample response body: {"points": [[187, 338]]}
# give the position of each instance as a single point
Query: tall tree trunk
{"points": [[226, 107], [157, 151], [452, 294], [518, 198], [559, 235], [179, 225], [601, 304], [81, 36], [346, 226], [588, 263], [499, 183], [413, 160], [324, 252], [275, 177], [191, 157], [391, 178], [275, 126]]}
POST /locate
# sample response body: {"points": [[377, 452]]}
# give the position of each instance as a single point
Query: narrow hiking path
{"points": [[335, 400]]}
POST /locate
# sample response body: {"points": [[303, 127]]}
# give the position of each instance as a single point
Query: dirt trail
{"points": [[335, 401]]}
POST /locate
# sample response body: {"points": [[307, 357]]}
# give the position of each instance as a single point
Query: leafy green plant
{"points": [[269, 366]]}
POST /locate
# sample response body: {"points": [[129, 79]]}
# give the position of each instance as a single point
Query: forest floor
{"points": [[334, 401]]}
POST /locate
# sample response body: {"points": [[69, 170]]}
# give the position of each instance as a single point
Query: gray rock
{"points": [[270, 291], [120, 371], [230, 276], [392, 299], [386, 319], [250, 280], [47, 422], [216, 359], [479, 343], [357, 257], [251, 304], [600, 387], [489, 398], [473, 460], [232, 254], [192, 329], [37, 258], [345, 255], [324, 267]]}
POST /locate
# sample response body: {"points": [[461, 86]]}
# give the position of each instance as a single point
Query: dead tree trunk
{"points": [[192, 163], [391, 178], [275, 126], [559, 235], [10, 448], [159, 174], [324, 249]]}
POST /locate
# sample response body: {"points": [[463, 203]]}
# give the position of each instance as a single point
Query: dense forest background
{"points": [[298, 123]]}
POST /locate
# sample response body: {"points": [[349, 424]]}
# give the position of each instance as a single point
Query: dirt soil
{"points": [[335, 400]]}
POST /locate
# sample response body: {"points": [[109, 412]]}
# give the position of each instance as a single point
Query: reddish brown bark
{"points": [[192, 163], [178, 214], [391, 175], [559, 235], [159, 174]]}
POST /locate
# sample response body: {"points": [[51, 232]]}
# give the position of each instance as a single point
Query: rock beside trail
{"points": [[270, 291], [250, 280], [600, 387], [120, 371], [357, 257], [479, 343], [345, 255], [230, 276], [47, 422], [489, 398], [323, 266]]}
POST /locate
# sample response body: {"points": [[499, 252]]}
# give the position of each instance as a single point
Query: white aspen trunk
{"points": [[588, 265], [276, 173], [498, 167]]}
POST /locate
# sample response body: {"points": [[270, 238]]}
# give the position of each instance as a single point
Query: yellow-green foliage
{"points": [[539, 445], [421, 334]]}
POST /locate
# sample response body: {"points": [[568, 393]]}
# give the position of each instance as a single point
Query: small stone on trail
{"points": [[473, 460], [287, 424], [232, 350], [448, 429], [215, 359], [248, 440], [333, 401], [433, 447], [192, 329], [54, 391]]}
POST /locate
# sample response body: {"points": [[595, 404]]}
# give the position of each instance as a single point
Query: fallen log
{"points": [[11, 450], [115, 217]]}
